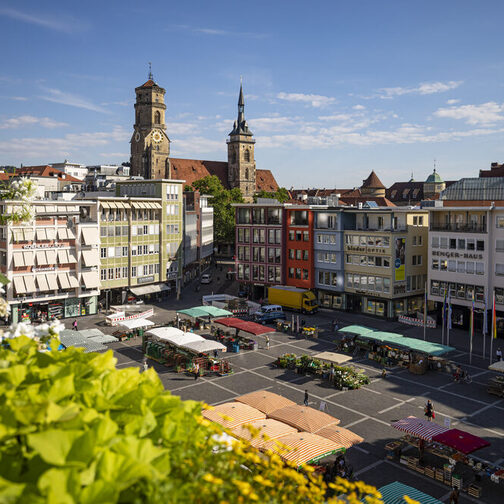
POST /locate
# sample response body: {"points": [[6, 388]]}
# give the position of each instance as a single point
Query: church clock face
{"points": [[137, 136], [157, 137]]}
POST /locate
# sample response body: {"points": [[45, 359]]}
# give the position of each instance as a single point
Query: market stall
{"points": [[202, 315], [394, 493], [132, 328], [304, 418], [233, 414], [333, 357], [260, 432], [496, 383], [236, 341], [340, 436], [265, 401]]}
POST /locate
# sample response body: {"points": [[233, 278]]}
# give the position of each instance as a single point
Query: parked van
{"points": [[269, 313], [206, 278]]}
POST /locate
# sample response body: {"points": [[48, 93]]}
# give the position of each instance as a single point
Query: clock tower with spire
{"points": [[241, 161], [150, 145]]}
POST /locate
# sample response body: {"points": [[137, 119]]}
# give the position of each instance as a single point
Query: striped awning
{"points": [[419, 427], [394, 493], [265, 401], [233, 414], [340, 436], [304, 418], [303, 447], [268, 430]]}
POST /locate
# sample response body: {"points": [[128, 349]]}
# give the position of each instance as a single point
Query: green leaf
{"points": [[62, 387], [119, 470], [3, 279], [99, 491], [53, 445], [60, 486], [9, 491]]}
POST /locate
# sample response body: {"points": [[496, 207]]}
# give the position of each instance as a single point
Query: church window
{"points": [[234, 157], [157, 118], [247, 156], [246, 173]]}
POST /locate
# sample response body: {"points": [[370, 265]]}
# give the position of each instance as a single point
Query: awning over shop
{"points": [[18, 259], [51, 280], [340, 436], [461, 441], [91, 279], [333, 357], [91, 257], [51, 256], [42, 283], [356, 329], [204, 346], [29, 258], [51, 233], [136, 323], [205, 311], [304, 418], [394, 493], [19, 285], [90, 236], [29, 283], [269, 428], [419, 427], [497, 366], [242, 325], [237, 414], [63, 280], [265, 401], [62, 233], [303, 447], [149, 289]]}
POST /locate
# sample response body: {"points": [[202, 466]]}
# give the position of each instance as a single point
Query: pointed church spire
{"points": [[240, 126], [241, 101]]}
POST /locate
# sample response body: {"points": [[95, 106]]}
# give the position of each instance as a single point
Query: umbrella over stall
{"points": [[260, 432], [242, 325], [461, 441], [418, 427], [233, 414], [265, 401], [304, 418]]}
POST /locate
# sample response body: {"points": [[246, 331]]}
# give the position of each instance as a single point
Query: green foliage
{"points": [[281, 195], [224, 213], [73, 429]]}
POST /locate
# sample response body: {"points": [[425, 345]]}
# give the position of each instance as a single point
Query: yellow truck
{"points": [[293, 298]]}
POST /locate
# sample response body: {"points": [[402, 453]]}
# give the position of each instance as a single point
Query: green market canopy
{"points": [[205, 311], [356, 330], [394, 493]]}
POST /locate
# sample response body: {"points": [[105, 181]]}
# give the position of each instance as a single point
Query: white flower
{"points": [[21, 329], [4, 308]]}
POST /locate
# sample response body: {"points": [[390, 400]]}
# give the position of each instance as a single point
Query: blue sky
{"points": [[333, 89]]}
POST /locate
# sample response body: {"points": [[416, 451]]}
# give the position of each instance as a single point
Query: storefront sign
{"points": [[358, 248], [457, 255], [399, 289], [48, 268], [400, 258], [145, 279], [44, 246]]}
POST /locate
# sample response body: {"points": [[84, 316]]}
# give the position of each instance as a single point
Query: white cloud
{"points": [[181, 128], [219, 32], [27, 120], [58, 96], [424, 88], [358, 107], [311, 99], [195, 146], [272, 123], [65, 24], [452, 101], [486, 113]]}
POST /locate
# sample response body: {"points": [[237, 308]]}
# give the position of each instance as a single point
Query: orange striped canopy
{"points": [[304, 418], [340, 436], [265, 401], [303, 447], [273, 429], [233, 414]]}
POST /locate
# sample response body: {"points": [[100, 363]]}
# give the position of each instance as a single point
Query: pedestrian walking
{"points": [[145, 366], [75, 325], [196, 371], [267, 342], [306, 397], [429, 411], [498, 354], [215, 353], [454, 496], [332, 371], [384, 373]]}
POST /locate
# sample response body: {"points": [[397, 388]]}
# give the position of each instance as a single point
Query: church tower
{"points": [[150, 145], [241, 162]]}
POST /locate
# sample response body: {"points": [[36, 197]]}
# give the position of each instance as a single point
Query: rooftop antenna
{"points": [[150, 71], [434, 164]]}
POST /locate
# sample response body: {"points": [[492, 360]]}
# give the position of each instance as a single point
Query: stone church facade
{"points": [[150, 149]]}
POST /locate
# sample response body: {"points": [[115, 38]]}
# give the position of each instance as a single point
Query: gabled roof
{"points": [[265, 180], [496, 170], [354, 200], [373, 182], [46, 171], [150, 83]]}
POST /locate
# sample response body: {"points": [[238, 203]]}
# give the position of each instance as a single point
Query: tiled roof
{"points": [[373, 181], [150, 83], [409, 191], [355, 200], [46, 171], [191, 170], [496, 170]]}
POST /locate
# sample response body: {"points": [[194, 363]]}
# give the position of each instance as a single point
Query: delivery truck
{"points": [[293, 298]]}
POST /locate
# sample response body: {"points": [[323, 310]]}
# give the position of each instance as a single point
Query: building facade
{"points": [[52, 262], [385, 269], [260, 245]]}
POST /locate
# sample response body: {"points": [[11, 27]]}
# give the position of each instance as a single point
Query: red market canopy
{"points": [[461, 441], [242, 325], [419, 427]]}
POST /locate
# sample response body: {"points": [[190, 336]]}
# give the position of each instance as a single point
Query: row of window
{"points": [[122, 272], [151, 229], [457, 243], [259, 254], [469, 267], [259, 236], [362, 260], [172, 209], [415, 282], [172, 228], [111, 231], [298, 254], [327, 257], [370, 241], [122, 215], [258, 272], [298, 273], [328, 278], [299, 235], [368, 283], [457, 290], [328, 239], [259, 216]]}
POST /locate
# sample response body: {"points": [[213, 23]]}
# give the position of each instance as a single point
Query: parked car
{"points": [[206, 278], [268, 313]]}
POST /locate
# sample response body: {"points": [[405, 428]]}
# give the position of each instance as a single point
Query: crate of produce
{"points": [[456, 481], [420, 469], [439, 475], [474, 491], [430, 472]]}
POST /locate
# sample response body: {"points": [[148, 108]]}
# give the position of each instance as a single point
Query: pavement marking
{"points": [[354, 423], [396, 405], [363, 450], [492, 405], [204, 380], [371, 390], [445, 497], [369, 467]]}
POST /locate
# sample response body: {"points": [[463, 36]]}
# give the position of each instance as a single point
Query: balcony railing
{"points": [[382, 229], [460, 228]]}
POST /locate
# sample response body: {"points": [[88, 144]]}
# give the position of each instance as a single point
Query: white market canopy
{"points": [[204, 346], [136, 323], [174, 336], [497, 366]]}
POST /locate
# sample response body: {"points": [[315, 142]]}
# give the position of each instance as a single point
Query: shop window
{"points": [[349, 280], [469, 292], [470, 267], [480, 245], [435, 288], [443, 243], [480, 294], [453, 243], [443, 265], [480, 268], [461, 291], [435, 242], [460, 266]]}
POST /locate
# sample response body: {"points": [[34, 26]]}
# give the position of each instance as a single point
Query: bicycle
{"points": [[464, 378]]}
